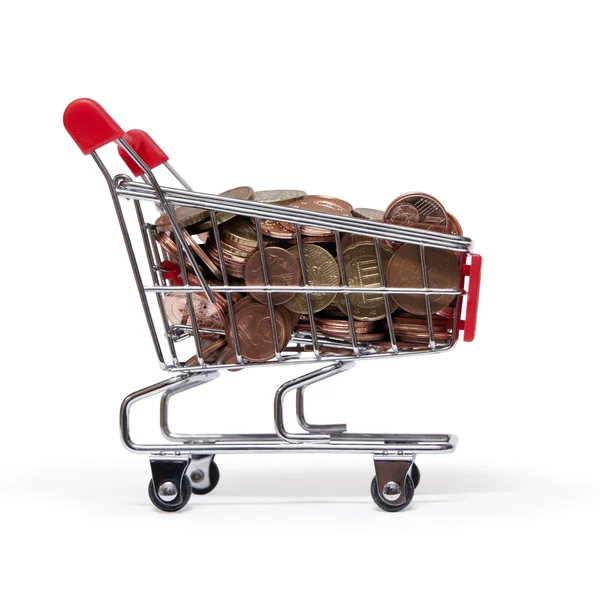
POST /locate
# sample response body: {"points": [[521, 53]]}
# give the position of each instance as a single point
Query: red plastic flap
{"points": [[90, 126], [147, 149], [474, 272]]}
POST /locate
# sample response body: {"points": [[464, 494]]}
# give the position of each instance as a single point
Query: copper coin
{"points": [[404, 271], [417, 210], [202, 255], [169, 245], [323, 204], [208, 315], [277, 230], [255, 332], [454, 226], [283, 269]]}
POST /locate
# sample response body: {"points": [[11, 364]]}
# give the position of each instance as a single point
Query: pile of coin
{"points": [[260, 329]]}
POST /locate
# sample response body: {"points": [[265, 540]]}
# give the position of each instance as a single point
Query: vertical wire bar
{"points": [[386, 297], [191, 309], [157, 276], [166, 206], [236, 339], [132, 259], [311, 315], [427, 299], [263, 260], [340, 255], [162, 256]]}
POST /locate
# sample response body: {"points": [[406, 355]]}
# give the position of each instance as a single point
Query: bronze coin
{"points": [[255, 332], [208, 315], [404, 271], [169, 245], [283, 269], [323, 204], [202, 255], [454, 226], [417, 210], [276, 230]]}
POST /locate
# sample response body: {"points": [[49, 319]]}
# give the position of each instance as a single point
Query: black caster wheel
{"points": [[415, 475], [169, 489], [409, 492], [214, 474]]}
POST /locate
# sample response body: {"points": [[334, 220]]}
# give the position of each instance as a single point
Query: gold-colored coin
{"points": [[404, 271], [185, 217], [322, 270], [362, 270], [240, 193], [240, 231], [278, 196], [371, 214]]}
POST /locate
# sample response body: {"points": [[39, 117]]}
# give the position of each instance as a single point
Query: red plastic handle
{"points": [[147, 149], [90, 126], [469, 325]]}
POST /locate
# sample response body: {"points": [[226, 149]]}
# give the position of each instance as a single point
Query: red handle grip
{"points": [[90, 126], [146, 148], [469, 325]]}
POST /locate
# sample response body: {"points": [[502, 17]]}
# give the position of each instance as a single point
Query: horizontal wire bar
{"points": [[302, 217], [311, 360], [313, 289]]}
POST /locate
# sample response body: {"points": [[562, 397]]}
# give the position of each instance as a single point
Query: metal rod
{"points": [[386, 298], [427, 299], [299, 216], [265, 270], [236, 337], [306, 283], [340, 256], [132, 259], [170, 213]]}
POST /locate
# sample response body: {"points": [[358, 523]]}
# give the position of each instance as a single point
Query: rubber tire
{"points": [[215, 475], [185, 491], [416, 475], [409, 492]]}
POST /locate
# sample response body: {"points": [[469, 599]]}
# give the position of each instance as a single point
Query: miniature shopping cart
{"points": [[185, 464]]}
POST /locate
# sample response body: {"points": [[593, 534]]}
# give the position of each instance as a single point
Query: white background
{"points": [[491, 107]]}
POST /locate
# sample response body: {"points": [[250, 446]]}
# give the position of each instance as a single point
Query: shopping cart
{"points": [[185, 464]]}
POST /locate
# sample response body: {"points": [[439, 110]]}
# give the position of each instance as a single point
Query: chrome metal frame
{"points": [[387, 448]]}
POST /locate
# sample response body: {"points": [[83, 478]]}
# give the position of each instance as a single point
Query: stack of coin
{"points": [[238, 242], [339, 328], [412, 328], [367, 264]]}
